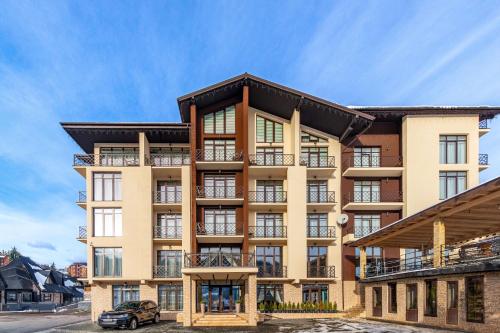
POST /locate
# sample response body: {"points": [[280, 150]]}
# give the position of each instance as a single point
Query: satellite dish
{"points": [[342, 219]]}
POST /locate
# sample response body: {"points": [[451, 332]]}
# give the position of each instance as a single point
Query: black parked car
{"points": [[130, 315]]}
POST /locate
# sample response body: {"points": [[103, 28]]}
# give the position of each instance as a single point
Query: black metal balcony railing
{"points": [[321, 232], [365, 196], [320, 271], [372, 161], [119, 160], [166, 160], [223, 229], [167, 271], [219, 259], [219, 155], [168, 232], [167, 196], [223, 192], [405, 263], [318, 161], [483, 159], [82, 232], [484, 124], [321, 197], [82, 196], [267, 196], [363, 230], [277, 231], [462, 254], [272, 272], [271, 159]]}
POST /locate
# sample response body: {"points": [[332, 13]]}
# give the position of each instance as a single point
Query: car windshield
{"points": [[128, 306]]}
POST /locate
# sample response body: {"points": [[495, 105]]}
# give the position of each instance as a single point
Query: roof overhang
{"points": [[281, 101], [470, 214], [484, 111], [88, 134]]}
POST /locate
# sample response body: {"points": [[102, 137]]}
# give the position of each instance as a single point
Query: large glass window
{"points": [[474, 293], [373, 260], [317, 225], [366, 157], [367, 191], [11, 296], [452, 149], [269, 191], [119, 156], [220, 122], [107, 222], [315, 293], [365, 224], [269, 260], [219, 186], [219, 150], [431, 298], [168, 225], [315, 156], [269, 225], [317, 191], [269, 156], [451, 183], [306, 137], [392, 297], [125, 293], [268, 130], [107, 261], [107, 186], [170, 262], [170, 297], [269, 293], [169, 191], [317, 261], [220, 221]]}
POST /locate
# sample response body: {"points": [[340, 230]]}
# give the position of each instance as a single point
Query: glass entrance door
{"points": [[221, 299]]}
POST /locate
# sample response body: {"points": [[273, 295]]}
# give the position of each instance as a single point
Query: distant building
{"points": [[77, 270], [4, 260]]}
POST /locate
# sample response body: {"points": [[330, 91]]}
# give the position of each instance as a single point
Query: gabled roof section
{"points": [[280, 100]]}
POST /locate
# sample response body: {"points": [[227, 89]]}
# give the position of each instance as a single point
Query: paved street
{"points": [[275, 326], [36, 322]]}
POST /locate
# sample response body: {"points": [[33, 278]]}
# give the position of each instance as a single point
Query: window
{"points": [[474, 293], [452, 303], [373, 260], [392, 297], [269, 225], [107, 186], [219, 150], [452, 149], [166, 156], [377, 301], [170, 262], [125, 293], [269, 293], [219, 186], [27, 297], [317, 191], [270, 156], [170, 297], [317, 225], [451, 183], [306, 137], [431, 298], [220, 221], [317, 261], [169, 191], [411, 302], [119, 156], [366, 157], [269, 261], [220, 122], [315, 293], [169, 225], [107, 222], [365, 224], [269, 191], [315, 156], [107, 261], [11, 297], [367, 191], [268, 130]]}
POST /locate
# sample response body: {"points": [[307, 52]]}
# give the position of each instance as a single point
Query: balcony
{"points": [[114, 160], [167, 272], [82, 234], [219, 233], [270, 164], [321, 233], [219, 265], [219, 159], [484, 127], [168, 160], [322, 200], [168, 234], [361, 200], [224, 195], [267, 199], [406, 263], [267, 234], [319, 166], [372, 166], [167, 199], [482, 250], [276, 272], [82, 199], [483, 162], [320, 272]]}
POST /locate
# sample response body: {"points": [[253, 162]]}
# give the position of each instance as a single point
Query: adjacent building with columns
{"points": [[244, 201]]}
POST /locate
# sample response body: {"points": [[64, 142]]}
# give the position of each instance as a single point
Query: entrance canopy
{"points": [[468, 215]]}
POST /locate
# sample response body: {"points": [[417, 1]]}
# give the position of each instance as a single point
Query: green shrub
{"points": [[334, 306], [261, 307]]}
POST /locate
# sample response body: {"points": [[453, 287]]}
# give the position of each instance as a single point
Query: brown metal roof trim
{"points": [[484, 112]]}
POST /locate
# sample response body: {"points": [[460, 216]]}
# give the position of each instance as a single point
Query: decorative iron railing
{"points": [[167, 271], [271, 159], [365, 196], [484, 124], [219, 155], [363, 230], [371, 161], [267, 196], [223, 192], [314, 271], [168, 232], [119, 160], [272, 271], [321, 232], [166, 160], [82, 232], [219, 259], [483, 159], [312, 161], [222, 229], [167, 196], [467, 253], [277, 231], [82, 197], [320, 196]]}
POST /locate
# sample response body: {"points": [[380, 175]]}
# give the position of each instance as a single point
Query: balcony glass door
{"points": [[317, 191], [269, 225], [220, 186], [317, 225], [269, 261], [367, 191], [315, 157], [219, 150], [317, 261], [220, 221], [269, 191], [269, 156], [169, 191], [366, 157]]}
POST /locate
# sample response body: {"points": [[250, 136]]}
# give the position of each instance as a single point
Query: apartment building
{"points": [[243, 202]]}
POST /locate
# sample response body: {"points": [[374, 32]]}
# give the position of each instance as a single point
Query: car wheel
{"points": [[133, 324], [157, 318]]}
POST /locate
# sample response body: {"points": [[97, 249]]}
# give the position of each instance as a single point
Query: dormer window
{"points": [[220, 122]]}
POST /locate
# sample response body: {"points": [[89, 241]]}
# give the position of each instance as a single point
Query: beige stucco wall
{"points": [[420, 138]]}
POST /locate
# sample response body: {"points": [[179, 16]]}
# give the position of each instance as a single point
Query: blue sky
{"points": [[130, 60]]}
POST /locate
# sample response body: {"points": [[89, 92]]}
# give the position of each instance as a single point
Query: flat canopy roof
{"points": [[470, 214]]}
